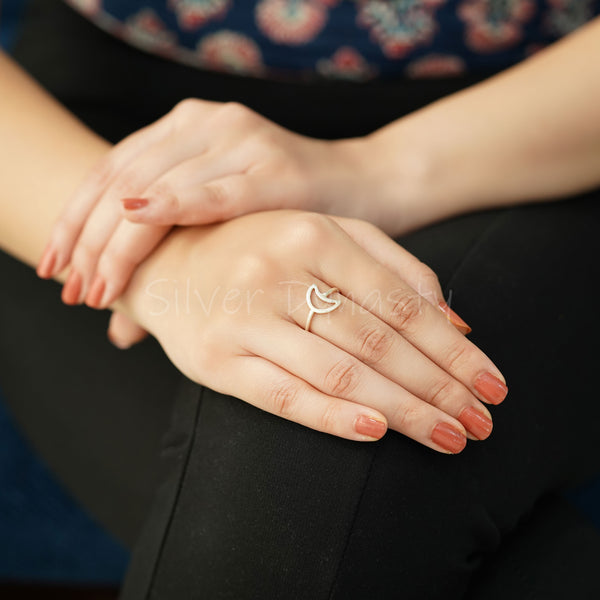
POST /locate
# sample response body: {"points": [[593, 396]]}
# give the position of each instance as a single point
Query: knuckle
{"points": [[406, 309], [405, 417], [375, 343], [330, 418], [456, 356], [164, 191], [342, 378], [307, 231], [235, 112], [253, 269], [428, 279], [66, 229], [215, 198], [127, 184], [116, 263], [85, 254], [185, 108], [440, 391], [283, 399]]}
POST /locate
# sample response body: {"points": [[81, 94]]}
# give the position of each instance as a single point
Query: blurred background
{"points": [[49, 546]]}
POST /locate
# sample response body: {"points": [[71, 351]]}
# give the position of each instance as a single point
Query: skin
{"points": [[531, 133], [448, 158], [398, 361]]}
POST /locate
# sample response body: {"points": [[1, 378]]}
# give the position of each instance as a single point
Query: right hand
{"points": [[227, 303]]}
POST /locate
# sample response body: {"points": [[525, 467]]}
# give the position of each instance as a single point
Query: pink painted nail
{"points": [[476, 423], [491, 388], [134, 203], [449, 438], [46, 264], [454, 318], [96, 292], [72, 289], [373, 428]]}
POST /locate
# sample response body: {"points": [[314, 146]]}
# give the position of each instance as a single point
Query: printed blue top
{"points": [[349, 39]]}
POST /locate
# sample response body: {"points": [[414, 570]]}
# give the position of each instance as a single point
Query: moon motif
{"points": [[334, 303]]}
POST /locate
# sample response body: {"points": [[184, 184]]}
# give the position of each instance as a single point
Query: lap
{"points": [[265, 507], [251, 503]]}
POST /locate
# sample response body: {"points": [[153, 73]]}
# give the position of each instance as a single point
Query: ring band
{"points": [[333, 303]]}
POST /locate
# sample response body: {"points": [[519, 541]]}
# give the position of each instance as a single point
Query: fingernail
{"points": [[449, 438], [115, 342], [72, 289], [134, 203], [491, 388], [454, 318], [46, 264], [96, 292], [108, 296], [476, 423], [373, 428]]}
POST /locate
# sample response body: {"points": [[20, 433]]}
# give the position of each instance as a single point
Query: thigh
{"points": [[553, 555], [261, 507], [525, 285]]}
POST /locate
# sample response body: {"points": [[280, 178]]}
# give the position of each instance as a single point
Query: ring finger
{"points": [[360, 333], [337, 373]]}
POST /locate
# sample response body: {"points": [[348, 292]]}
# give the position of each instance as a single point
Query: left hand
{"points": [[201, 163]]}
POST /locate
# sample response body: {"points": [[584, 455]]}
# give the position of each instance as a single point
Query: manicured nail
{"points": [[46, 264], [108, 295], [373, 428], [449, 438], [134, 203], [96, 292], [115, 342], [72, 289], [476, 423], [454, 318], [491, 388]]}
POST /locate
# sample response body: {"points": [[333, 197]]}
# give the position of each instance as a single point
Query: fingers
{"points": [[406, 265], [112, 247], [96, 233], [373, 286], [67, 229], [339, 374], [375, 344], [123, 332], [269, 387], [90, 218], [106, 215], [203, 189], [129, 245]]}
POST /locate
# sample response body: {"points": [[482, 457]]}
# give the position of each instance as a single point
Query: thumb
{"points": [[174, 203], [123, 332]]}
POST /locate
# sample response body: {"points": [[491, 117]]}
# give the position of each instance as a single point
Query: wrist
{"points": [[148, 298], [424, 171], [395, 177], [355, 180]]}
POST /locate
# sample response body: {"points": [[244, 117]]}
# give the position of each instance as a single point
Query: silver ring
{"points": [[333, 303]]}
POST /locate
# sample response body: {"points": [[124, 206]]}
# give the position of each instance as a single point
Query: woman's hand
{"points": [[203, 162], [227, 303]]}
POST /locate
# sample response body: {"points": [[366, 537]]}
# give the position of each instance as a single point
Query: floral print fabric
{"points": [[343, 39]]}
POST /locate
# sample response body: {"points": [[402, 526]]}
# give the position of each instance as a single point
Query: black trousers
{"points": [[220, 500]]}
